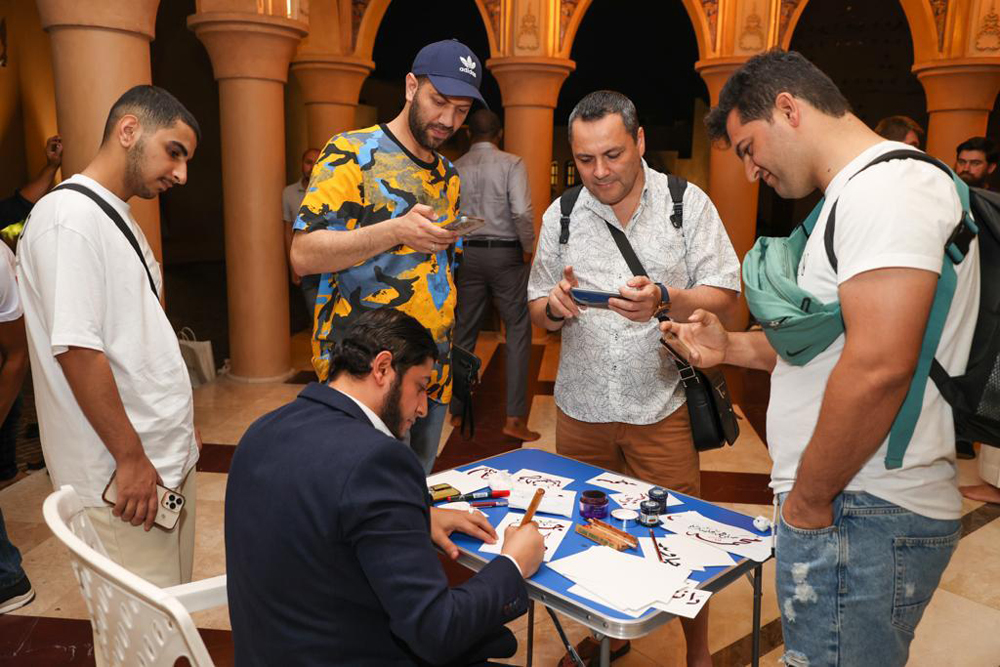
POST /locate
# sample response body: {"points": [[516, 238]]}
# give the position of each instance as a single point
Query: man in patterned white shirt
{"points": [[619, 398]]}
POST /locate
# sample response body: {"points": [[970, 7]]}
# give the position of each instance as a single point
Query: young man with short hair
{"points": [[373, 221], [861, 544], [111, 389]]}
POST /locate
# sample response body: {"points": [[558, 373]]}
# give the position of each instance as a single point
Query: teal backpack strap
{"points": [[956, 248], [810, 222], [906, 419]]}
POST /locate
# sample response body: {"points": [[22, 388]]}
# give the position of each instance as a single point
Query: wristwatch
{"points": [[552, 316], [664, 306]]}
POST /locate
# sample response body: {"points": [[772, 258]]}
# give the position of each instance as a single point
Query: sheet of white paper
{"points": [[464, 482], [630, 501], [554, 501], [553, 531], [625, 581], [536, 480], [687, 602], [609, 480], [483, 473], [719, 535], [577, 589], [683, 552]]}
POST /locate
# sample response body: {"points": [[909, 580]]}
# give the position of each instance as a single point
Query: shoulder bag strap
{"points": [[567, 200], [110, 211]]}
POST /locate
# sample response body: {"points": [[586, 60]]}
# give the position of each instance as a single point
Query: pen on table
{"points": [[530, 514], [491, 503], [478, 495], [656, 547]]}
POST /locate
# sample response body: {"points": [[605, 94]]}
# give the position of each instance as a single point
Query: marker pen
{"points": [[478, 495]]}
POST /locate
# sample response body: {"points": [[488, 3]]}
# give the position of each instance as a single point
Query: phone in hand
{"points": [[464, 224], [593, 298], [168, 508]]}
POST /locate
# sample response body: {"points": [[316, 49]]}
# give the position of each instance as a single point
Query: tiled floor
{"points": [[959, 628]]}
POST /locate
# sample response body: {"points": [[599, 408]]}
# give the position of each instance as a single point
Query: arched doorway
{"points": [[867, 49], [652, 62]]}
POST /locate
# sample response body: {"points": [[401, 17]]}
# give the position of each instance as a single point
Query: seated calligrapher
{"points": [[329, 535]]}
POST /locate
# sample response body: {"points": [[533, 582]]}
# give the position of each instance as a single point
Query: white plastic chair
{"points": [[136, 623]]}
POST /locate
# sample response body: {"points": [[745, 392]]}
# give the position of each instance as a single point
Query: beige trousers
{"points": [[161, 557]]}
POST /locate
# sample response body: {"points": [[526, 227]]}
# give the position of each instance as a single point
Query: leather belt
{"points": [[491, 243]]}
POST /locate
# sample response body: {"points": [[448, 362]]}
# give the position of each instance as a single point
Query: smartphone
{"points": [[676, 347], [593, 298], [168, 510], [464, 224]]}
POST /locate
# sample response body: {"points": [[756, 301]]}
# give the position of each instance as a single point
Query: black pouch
{"points": [[465, 377]]}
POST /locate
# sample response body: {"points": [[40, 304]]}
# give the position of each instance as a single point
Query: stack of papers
{"points": [[463, 481], [684, 553], [719, 535], [630, 584]]}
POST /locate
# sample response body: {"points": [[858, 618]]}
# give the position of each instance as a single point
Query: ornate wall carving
{"points": [[527, 32], [753, 37], [711, 8], [988, 33], [566, 10], [493, 10], [358, 8], [785, 11], [940, 9]]}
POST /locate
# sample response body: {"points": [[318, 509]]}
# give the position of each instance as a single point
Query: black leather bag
{"points": [[465, 377]]}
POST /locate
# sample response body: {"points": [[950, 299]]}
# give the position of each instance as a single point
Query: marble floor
{"points": [[959, 628]]}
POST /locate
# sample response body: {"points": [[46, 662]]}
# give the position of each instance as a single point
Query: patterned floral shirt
{"points": [[612, 369], [362, 178]]}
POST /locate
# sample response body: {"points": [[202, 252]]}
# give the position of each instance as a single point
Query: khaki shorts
{"points": [[662, 453]]}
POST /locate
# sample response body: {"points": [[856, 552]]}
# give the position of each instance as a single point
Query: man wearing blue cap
{"points": [[372, 221]]}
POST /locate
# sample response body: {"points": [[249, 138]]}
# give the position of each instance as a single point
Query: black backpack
{"points": [[975, 396]]}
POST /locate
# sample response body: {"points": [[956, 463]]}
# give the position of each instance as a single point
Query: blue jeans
{"points": [[853, 593], [425, 434], [10, 559]]}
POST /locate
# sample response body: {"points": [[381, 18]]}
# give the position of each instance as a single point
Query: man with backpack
{"points": [[863, 443], [620, 402]]}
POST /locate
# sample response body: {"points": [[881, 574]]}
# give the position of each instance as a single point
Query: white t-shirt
{"points": [[10, 300], [83, 285], [895, 214]]}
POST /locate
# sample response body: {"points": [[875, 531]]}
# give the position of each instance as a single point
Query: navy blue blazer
{"points": [[328, 550]]}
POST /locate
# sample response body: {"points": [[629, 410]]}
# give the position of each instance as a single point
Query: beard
{"points": [[133, 171], [390, 412], [972, 181], [421, 129]]}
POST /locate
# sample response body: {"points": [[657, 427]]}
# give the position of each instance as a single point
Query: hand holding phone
{"points": [[464, 225], [419, 230], [165, 513], [593, 298]]}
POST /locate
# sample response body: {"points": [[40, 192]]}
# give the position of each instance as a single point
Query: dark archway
{"points": [[867, 49], [650, 60]]}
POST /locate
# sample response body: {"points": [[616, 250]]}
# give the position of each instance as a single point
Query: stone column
{"points": [[530, 89], [330, 86], [250, 56], [735, 198], [960, 96], [100, 49]]}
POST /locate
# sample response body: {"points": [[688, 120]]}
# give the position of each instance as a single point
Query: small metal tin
{"points": [[593, 504], [659, 494], [649, 513]]}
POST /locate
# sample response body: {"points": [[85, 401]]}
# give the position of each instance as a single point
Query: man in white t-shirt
{"points": [[15, 588], [860, 548], [111, 389]]}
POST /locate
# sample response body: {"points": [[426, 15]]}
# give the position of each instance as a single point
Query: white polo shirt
{"points": [[83, 285], [10, 301]]}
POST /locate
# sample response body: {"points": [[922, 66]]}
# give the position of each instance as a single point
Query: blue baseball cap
{"points": [[452, 67]]}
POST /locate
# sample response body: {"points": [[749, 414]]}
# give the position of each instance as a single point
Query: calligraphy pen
{"points": [[535, 500], [656, 547]]}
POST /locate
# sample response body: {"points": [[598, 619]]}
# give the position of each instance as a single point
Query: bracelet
{"points": [[552, 316]]}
